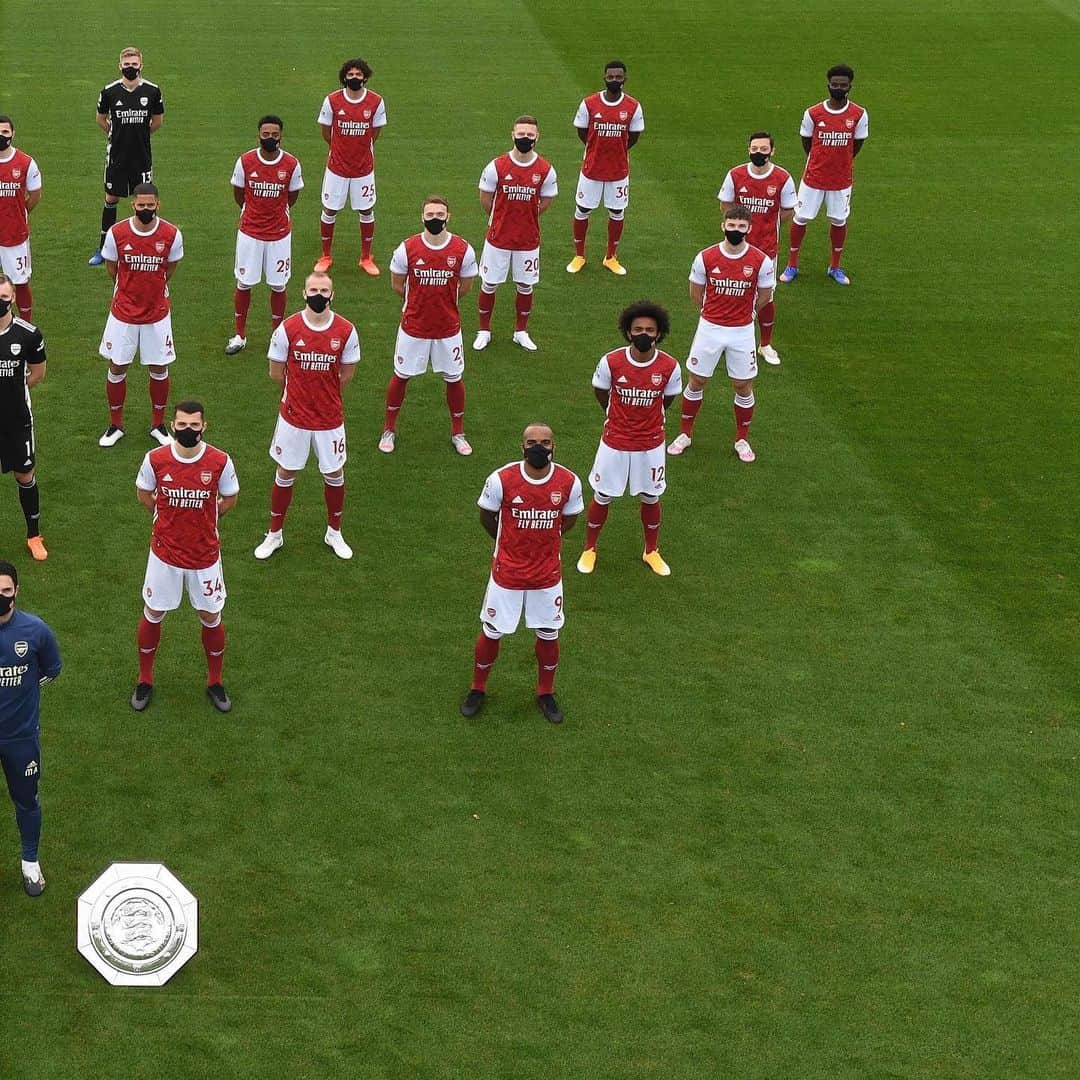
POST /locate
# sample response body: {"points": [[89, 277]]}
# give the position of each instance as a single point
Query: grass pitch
{"points": [[813, 811]]}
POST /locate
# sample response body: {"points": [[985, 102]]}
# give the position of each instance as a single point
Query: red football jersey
{"points": [[636, 392], [514, 224], [265, 215], [607, 139], [313, 357], [351, 124], [141, 293], [731, 283], [18, 175], [529, 545], [764, 197], [432, 279], [185, 532], [832, 151]]}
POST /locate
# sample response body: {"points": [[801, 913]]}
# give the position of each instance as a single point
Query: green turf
{"points": [[813, 811]]}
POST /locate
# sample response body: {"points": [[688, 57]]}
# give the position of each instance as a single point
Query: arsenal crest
{"points": [[692, 361], [144, 101], [491, 613], [205, 477], [748, 271], [15, 348], [281, 174], [335, 344], [656, 378], [623, 115], [771, 190], [556, 498], [536, 178], [16, 173], [159, 246], [452, 261], [367, 114], [21, 649], [849, 123]]}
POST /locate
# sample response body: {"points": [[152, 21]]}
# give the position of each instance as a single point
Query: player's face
{"points": [[7, 586], [761, 146], [319, 286], [7, 130], [538, 435], [130, 66], [733, 226], [614, 78], [7, 296], [144, 202], [353, 74], [644, 325], [184, 420], [839, 86], [270, 131], [525, 131], [436, 212]]}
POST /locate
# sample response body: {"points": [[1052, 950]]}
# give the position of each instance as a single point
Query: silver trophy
{"points": [[138, 924]]}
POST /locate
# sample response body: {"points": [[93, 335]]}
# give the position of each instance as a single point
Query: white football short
{"points": [[837, 204], [502, 608], [255, 258], [152, 341], [413, 355], [15, 262], [615, 194], [163, 586], [292, 445], [360, 191], [735, 343], [643, 470], [497, 263]]}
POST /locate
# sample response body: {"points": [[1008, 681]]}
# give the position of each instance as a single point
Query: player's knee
{"points": [[582, 212], [616, 215], [490, 632], [649, 500], [327, 216], [158, 372], [284, 477], [488, 287], [117, 374], [743, 388], [451, 379], [697, 384], [601, 498], [278, 288], [366, 216], [27, 802], [800, 221], [210, 619], [25, 479], [524, 290], [547, 634], [837, 222], [334, 479], [152, 615], [242, 286]]}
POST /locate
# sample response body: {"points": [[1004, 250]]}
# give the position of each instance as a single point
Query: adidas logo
{"points": [[598, 116], [517, 500], [166, 479], [253, 175], [128, 247], [301, 343], [821, 123], [342, 112], [742, 190], [509, 176], [421, 262], [623, 378], [31, 769]]}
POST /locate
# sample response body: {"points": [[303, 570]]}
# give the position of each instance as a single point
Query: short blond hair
{"points": [[131, 51]]}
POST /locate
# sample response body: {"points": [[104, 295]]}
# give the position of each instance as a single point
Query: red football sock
{"points": [[334, 494], [159, 398], [523, 306], [326, 236], [795, 242], [280, 497], [213, 639], [614, 234], [581, 227], [278, 300], [455, 401], [689, 414], [485, 305], [367, 235], [241, 304], [395, 395], [650, 522], [149, 636], [744, 413], [766, 320], [547, 661], [23, 300], [594, 522], [837, 236], [115, 393], [484, 657]]}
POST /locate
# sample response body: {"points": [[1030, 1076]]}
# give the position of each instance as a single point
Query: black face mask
{"points": [[613, 88], [6, 604], [643, 342], [130, 73], [759, 159], [146, 216], [318, 303], [187, 437], [837, 93], [538, 456], [734, 237], [434, 225], [270, 145], [5, 141], [355, 84], [524, 144], [5, 307]]}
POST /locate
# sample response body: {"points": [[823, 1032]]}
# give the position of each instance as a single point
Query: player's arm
{"points": [[856, 146], [490, 521], [110, 254], [697, 294], [228, 488], [548, 190], [111, 267], [698, 280], [632, 138], [601, 383], [637, 126], [146, 498], [487, 200], [48, 656], [33, 187], [35, 365], [238, 194], [581, 123], [346, 374], [674, 387], [293, 196], [545, 202], [296, 183], [397, 282], [277, 372], [602, 396], [465, 284], [102, 117], [568, 521], [764, 295], [225, 503], [156, 122], [573, 508], [862, 133], [157, 113], [327, 132]]}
